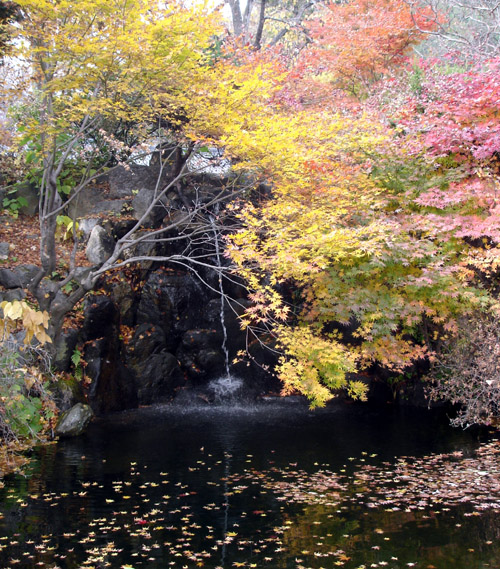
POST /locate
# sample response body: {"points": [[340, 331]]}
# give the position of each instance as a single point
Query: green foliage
{"points": [[69, 287], [26, 406], [450, 68], [316, 366], [397, 382], [13, 203], [398, 175], [76, 166], [416, 79], [67, 228], [76, 359]]}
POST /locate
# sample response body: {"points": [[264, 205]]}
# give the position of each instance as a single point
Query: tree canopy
{"points": [[378, 233]]}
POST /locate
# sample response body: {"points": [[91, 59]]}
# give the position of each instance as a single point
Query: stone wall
{"points": [[145, 344]]}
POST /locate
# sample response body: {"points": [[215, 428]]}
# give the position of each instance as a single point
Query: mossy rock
{"points": [[74, 421]]}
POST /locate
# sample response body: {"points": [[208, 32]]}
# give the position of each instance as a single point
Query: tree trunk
{"points": [[236, 16], [260, 27], [246, 20]]}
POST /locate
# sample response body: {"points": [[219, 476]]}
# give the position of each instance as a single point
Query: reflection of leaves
{"points": [[319, 515]]}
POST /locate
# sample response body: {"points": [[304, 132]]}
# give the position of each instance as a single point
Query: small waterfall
{"points": [[225, 389], [221, 290]]}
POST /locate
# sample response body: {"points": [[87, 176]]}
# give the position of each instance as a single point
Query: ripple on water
{"points": [[270, 485]]}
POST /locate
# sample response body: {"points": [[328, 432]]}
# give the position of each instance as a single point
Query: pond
{"points": [[270, 486]]}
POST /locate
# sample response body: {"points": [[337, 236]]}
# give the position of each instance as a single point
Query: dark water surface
{"points": [[277, 486]]}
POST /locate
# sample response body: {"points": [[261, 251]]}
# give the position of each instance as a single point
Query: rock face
{"points": [[144, 353], [141, 203], [4, 251], [153, 330], [64, 348], [123, 184], [144, 342], [74, 421], [19, 277], [29, 193]]}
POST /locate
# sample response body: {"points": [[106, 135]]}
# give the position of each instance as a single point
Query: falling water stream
{"points": [[269, 485], [222, 299], [226, 387]]}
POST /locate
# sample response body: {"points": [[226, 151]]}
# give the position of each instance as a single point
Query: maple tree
{"points": [[450, 125], [352, 264], [373, 252], [355, 43], [378, 229], [234, 102], [102, 79], [450, 121], [90, 67]]}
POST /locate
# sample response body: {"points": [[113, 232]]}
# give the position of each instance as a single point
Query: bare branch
{"points": [[473, 25]]}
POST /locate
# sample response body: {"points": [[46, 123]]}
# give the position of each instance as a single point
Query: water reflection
{"points": [[273, 486]]}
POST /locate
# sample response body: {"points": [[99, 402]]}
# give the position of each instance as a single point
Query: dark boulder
{"points": [[19, 277], [174, 301], [100, 315], [13, 294], [148, 339], [128, 181], [201, 339], [4, 251], [200, 353], [157, 372], [124, 299], [112, 385], [141, 204], [64, 348], [26, 273], [158, 378], [30, 198]]}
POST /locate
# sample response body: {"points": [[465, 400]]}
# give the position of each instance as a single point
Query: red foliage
{"points": [[459, 112], [355, 43]]}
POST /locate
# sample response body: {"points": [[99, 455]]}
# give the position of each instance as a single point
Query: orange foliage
{"points": [[357, 42]]}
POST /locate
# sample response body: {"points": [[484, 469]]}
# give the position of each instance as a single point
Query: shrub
{"points": [[27, 409], [467, 372]]}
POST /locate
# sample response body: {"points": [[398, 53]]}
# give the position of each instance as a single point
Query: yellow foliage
{"points": [[316, 366], [110, 59], [34, 322], [67, 228]]}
